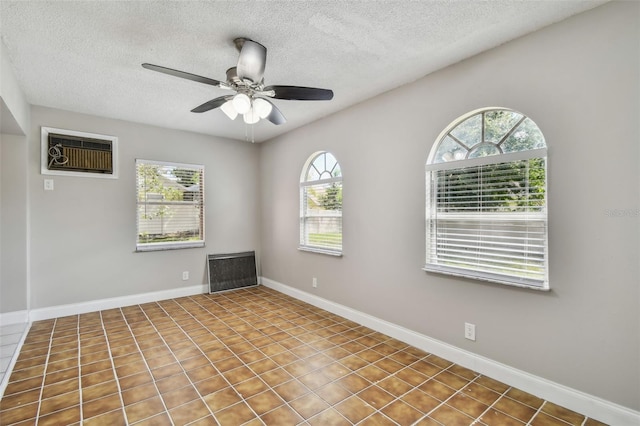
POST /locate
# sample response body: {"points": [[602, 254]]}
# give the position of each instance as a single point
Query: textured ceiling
{"points": [[85, 56]]}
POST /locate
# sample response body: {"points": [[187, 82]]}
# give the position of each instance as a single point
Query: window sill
{"points": [[168, 246], [485, 276], [328, 252]]}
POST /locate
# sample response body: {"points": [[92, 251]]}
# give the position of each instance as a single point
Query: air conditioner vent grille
{"points": [[67, 152]]}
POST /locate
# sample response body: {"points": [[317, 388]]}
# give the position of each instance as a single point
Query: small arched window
{"points": [[321, 204], [486, 212]]}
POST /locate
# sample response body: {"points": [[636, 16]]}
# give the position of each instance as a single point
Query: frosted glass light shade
{"points": [[241, 103], [229, 109], [251, 117], [262, 107]]}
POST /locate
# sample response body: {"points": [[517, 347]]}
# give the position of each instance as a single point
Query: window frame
{"points": [[305, 183], [200, 205], [435, 262]]}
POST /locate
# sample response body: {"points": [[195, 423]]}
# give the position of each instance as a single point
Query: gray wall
{"points": [[83, 233], [14, 125], [14, 108], [578, 80], [13, 223]]}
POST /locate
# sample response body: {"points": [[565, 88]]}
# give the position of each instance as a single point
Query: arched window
{"points": [[486, 213], [321, 204]]}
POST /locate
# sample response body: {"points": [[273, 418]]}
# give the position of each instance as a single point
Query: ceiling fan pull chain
{"points": [[246, 133]]}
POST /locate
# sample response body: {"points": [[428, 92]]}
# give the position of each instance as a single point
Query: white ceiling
{"points": [[86, 56]]}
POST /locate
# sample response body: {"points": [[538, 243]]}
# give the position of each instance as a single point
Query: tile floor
{"points": [[251, 356], [10, 336]]}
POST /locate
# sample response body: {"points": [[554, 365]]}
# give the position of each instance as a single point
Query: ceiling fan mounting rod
{"points": [[239, 42]]}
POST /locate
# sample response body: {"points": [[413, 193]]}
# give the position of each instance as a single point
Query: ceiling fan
{"points": [[246, 79]]}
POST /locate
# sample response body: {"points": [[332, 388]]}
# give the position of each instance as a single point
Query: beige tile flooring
{"points": [[251, 356]]}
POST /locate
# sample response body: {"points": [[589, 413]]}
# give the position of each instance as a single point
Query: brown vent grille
{"points": [[80, 154], [88, 159]]}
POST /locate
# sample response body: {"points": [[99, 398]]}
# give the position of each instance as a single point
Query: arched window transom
{"points": [[490, 132]]}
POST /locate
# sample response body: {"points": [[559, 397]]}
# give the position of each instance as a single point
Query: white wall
{"points": [[83, 233], [579, 81]]}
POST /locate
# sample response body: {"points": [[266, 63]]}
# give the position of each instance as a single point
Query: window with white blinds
{"points": [[486, 214], [321, 205], [170, 205]]}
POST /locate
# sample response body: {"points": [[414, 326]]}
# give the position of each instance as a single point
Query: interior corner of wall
{"points": [[13, 98]]}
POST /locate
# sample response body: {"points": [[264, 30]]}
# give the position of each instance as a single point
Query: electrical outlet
{"points": [[185, 275], [314, 282], [48, 184], [470, 331]]}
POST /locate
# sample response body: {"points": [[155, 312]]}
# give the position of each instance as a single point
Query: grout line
{"points": [[113, 367], [493, 404], [205, 355], [311, 391], [564, 422], [177, 360], [144, 359], [270, 388], [504, 395], [44, 372], [442, 403], [79, 340], [538, 411]]}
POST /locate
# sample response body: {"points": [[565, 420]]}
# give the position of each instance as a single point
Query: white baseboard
{"points": [[591, 406], [16, 317], [114, 302]]}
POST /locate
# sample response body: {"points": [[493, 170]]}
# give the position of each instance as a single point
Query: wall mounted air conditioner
{"points": [[69, 152]]}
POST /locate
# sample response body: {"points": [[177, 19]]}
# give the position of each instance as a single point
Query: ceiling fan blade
{"points": [[298, 93], [183, 74], [275, 116], [212, 104], [251, 62]]}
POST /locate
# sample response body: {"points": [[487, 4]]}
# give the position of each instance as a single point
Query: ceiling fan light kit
{"points": [[246, 79]]}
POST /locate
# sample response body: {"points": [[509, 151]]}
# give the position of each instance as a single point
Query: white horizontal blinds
{"points": [[490, 218], [321, 204], [170, 204], [322, 216]]}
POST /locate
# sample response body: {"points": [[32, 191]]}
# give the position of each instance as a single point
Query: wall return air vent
{"points": [[68, 152], [232, 270]]}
